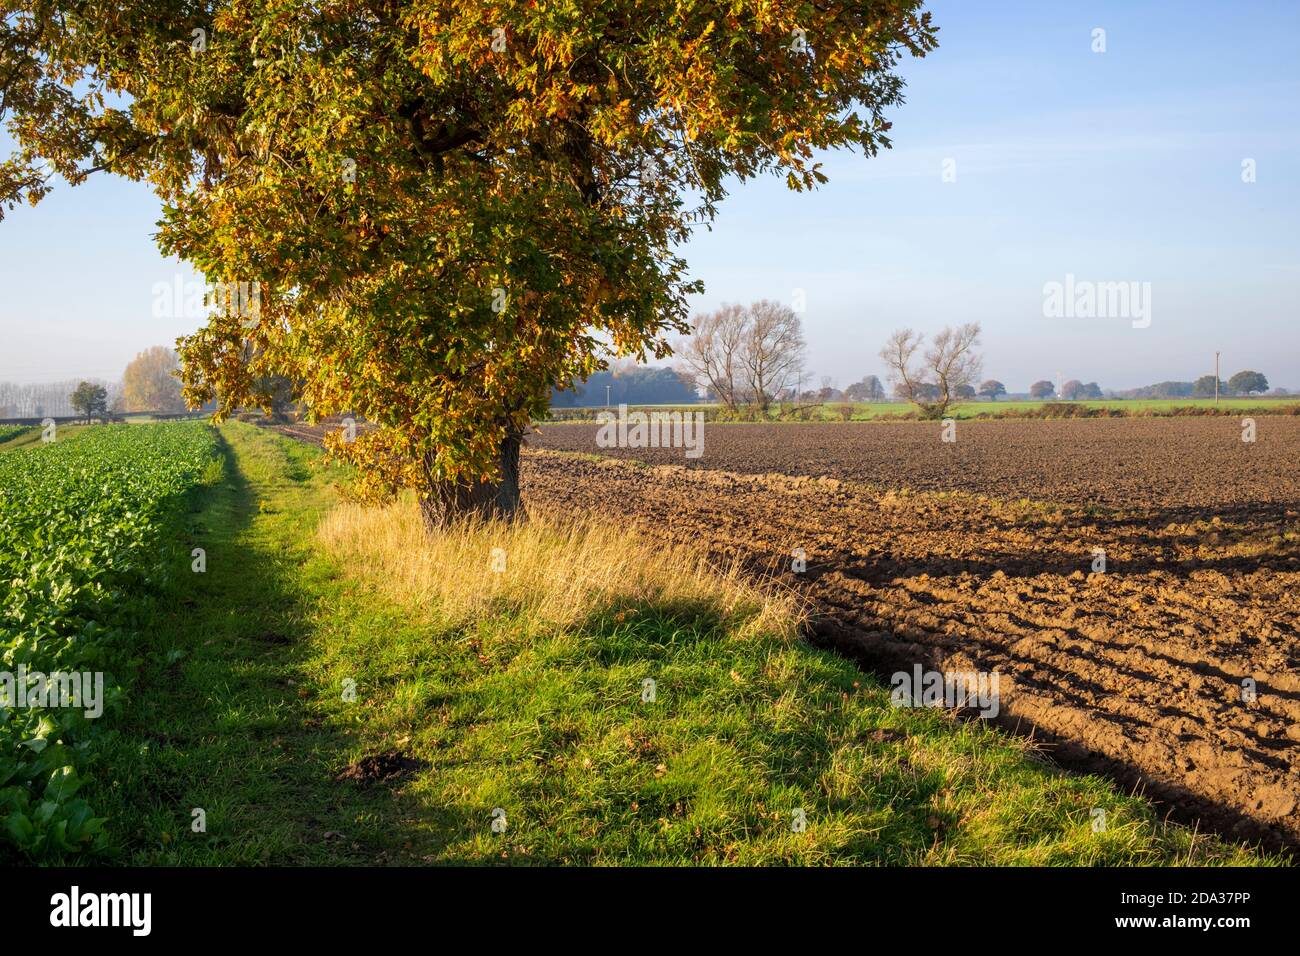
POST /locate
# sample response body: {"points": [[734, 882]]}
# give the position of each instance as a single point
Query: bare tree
{"points": [[745, 354], [773, 353], [930, 382], [710, 356]]}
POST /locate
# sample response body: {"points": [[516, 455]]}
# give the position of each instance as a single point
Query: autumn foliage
{"points": [[149, 382], [449, 207]]}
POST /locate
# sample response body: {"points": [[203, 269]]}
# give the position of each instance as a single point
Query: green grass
{"points": [[31, 435], [1142, 406], [218, 722], [241, 712]]}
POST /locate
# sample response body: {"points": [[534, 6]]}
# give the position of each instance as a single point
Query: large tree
{"points": [[150, 383], [1207, 386], [444, 209], [1247, 382], [90, 399], [869, 389]]}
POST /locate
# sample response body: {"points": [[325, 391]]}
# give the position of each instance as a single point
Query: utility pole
{"points": [[607, 396], [1216, 378]]}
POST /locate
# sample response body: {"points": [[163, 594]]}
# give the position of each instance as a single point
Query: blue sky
{"points": [[1115, 166]]}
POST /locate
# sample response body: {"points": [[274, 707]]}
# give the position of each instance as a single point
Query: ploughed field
{"points": [[979, 555], [1159, 463]]}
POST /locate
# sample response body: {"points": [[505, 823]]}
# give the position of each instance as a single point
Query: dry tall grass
{"points": [[556, 568]]}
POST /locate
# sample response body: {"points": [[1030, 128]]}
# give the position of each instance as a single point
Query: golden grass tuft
{"points": [[557, 568]]}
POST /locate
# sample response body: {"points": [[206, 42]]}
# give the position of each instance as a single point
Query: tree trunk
{"points": [[443, 502]]}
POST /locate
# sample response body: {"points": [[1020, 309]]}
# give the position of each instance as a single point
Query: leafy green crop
{"points": [[10, 432], [80, 540]]}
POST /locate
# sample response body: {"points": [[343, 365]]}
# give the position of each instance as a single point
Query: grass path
{"points": [[229, 725], [244, 717]]}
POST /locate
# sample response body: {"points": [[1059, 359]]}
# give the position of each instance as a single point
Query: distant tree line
{"points": [[629, 384], [149, 384], [1245, 383], [737, 356], [53, 399], [923, 389]]}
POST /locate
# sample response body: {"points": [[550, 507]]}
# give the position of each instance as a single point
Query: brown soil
{"points": [[312, 434], [380, 768], [1154, 463]]}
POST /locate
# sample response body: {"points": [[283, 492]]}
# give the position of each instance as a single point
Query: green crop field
{"points": [[82, 521]]}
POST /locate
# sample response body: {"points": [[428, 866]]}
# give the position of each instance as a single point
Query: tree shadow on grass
{"points": [[221, 756], [691, 773]]}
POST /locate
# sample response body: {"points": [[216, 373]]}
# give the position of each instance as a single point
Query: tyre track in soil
{"points": [[1135, 672]]}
